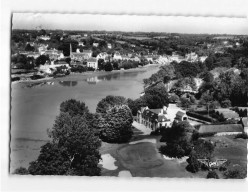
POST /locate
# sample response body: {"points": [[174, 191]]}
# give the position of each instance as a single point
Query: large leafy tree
{"points": [[41, 60], [108, 102], [178, 139], [51, 161], [116, 125], [74, 146], [156, 97]]}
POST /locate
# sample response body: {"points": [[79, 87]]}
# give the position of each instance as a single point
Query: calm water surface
{"points": [[36, 105]]}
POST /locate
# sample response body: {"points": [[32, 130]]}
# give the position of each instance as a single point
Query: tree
{"points": [[193, 163], [178, 139], [108, 67], [174, 98], [207, 77], [212, 175], [101, 64], [41, 60], [185, 102], [156, 97], [74, 107], [74, 148], [235, 172], [29, 48], [116, 125], [52, 160], [21, 171], [203, 149], [80, 141], [110, 101], [135, 105]]}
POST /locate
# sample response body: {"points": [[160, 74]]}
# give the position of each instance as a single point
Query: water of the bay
{"points": [[35, 105]]}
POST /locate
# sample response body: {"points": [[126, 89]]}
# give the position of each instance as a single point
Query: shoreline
{"points": [[85, 75]]}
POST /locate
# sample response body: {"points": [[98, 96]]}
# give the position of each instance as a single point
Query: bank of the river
{"points": [[89, 74]]}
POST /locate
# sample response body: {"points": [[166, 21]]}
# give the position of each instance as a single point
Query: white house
{"points": [[109, 46], [44, 37], [163, 117], [95, 44], [92, 62], [117, 56], [102, 55]]}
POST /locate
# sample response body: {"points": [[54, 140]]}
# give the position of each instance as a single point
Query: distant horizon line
{"points": [[133, 32]]}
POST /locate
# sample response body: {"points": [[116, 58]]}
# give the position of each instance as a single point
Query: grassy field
{"points": [[234, 150], [144, 160]]}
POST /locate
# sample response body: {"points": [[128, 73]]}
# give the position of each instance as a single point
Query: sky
{"points": [[143, 23]]}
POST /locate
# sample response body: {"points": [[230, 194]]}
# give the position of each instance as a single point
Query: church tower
{"points": [[70, 51]]}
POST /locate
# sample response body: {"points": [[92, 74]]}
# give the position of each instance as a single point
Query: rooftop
{"points": [[220, 128]]}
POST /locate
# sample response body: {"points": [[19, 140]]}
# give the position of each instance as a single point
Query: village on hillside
{"points": [[190, 119]]}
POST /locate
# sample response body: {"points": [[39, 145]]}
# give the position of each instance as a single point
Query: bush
{"points": [[79, 69], [235, 173], [193, 164], [156, 132], [172, 150], [212, 175], [21, 171], [241, 135], [199, 116], [15, 79], [35, 77]]}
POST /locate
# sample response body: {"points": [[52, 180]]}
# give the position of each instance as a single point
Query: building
{"points": [[93, 63], [30, 54], [54, 54], [244, 121], [117, 56], [42, 48], [222, 129], [202, 58], [95, 44], [191, 57], [102, 55], [87, 52], [163, 117], [109, 46], [149, 58], [43, 37], [80, 43], [78, 56]]}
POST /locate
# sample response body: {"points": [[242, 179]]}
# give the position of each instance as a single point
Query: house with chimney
{"points": [[162, 117]]}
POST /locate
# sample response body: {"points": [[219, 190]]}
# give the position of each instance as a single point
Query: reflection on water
{"points": [[93, 80], [113, 76], [68, 83], [38, 84]]}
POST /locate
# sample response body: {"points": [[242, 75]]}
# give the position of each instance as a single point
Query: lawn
{"points": [[234, 150], [143, 159]]}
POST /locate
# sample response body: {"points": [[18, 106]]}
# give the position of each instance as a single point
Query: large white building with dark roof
{"points": [[162, 117]]}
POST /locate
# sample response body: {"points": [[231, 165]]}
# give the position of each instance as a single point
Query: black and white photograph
{"points": [[128, 96]]}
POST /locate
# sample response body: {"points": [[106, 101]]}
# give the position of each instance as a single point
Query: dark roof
{"points": [[180, 113], [220, 128], [92, 60], [153, 115], [87, 51]]}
